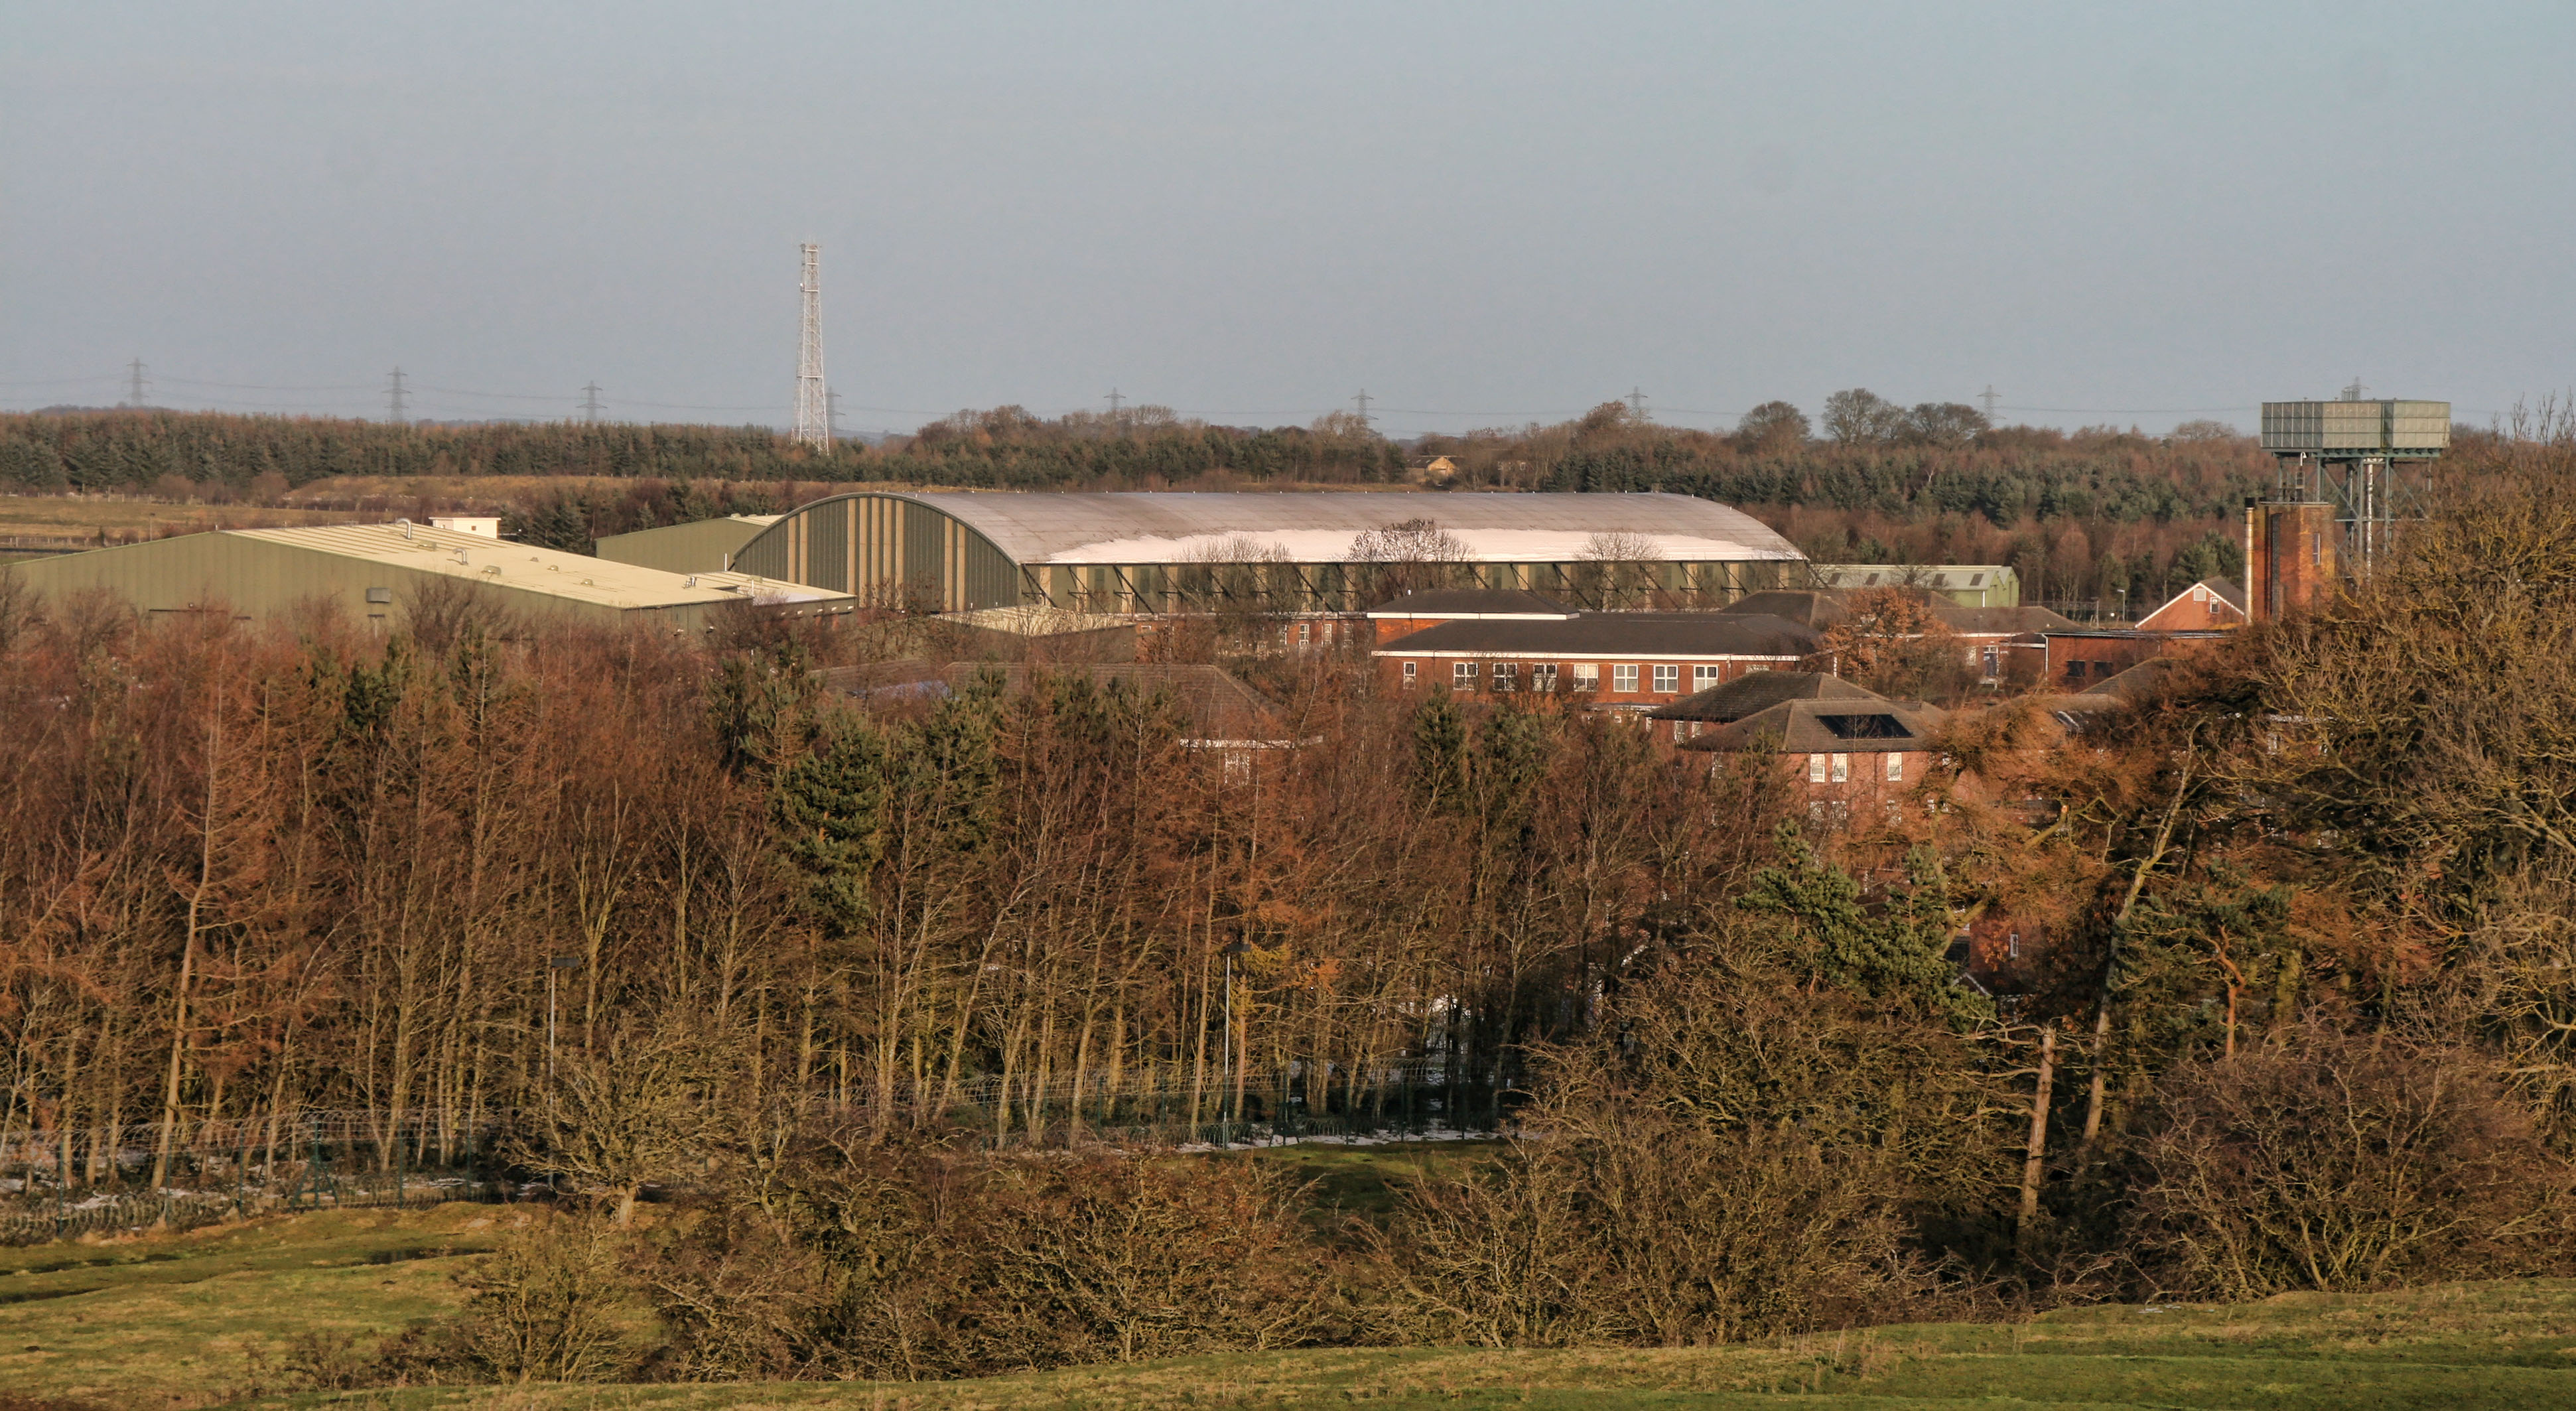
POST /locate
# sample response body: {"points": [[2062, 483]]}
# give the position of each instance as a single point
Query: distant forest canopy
{"points": [[2086, 516]]}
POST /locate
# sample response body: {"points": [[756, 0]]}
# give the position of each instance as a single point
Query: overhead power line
{"points": [[2132, 411]]}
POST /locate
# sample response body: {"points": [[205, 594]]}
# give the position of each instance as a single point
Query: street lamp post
{"points": [[1232, 1075], [554, 966]]}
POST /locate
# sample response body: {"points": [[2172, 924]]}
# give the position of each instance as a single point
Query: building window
{"points": [[1703, 677], [1305, 633], [2012, 945], [2075, 671], [1668, 680], [1507, 676], [1462, 676], [1623, 678], [1815, 769], [380, 595], [1993, 659], [1587, 676], [1410, 672], [1842, 769], [1896, 769], [1543, 677]]}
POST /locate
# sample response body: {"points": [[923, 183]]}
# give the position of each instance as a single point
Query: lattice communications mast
{"points": [[813, 405]]}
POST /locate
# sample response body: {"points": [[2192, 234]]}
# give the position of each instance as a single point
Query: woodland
{"points": [[865, 1027], [2099, 517]]}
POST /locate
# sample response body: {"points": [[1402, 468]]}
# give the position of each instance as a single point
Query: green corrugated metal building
{"points": [[701, 546], [378, 572]]}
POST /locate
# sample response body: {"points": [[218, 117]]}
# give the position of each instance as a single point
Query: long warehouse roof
{"points": [[1318, 526], [576, 577]]}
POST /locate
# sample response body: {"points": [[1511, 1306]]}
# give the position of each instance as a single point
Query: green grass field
{"points": [[203, 1319]]}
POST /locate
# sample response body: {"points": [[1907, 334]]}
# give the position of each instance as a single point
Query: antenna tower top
{"points": [[813, 407]]}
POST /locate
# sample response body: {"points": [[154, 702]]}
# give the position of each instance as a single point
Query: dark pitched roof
{"points": [[1877, 726], [1747, 695], [1640, 634], [1471, 602], [2135, 682], [1214, 705], [1989, 622], [1821, 608], [1818, 608]]}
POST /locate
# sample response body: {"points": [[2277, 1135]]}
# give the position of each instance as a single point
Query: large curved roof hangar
{"points": [[1155, 550]]}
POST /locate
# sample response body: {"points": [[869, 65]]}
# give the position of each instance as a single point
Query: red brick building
{"points": [[2212, 604], [1415, 612], [1992, 640], [1698, 714], [1628, 661], [1856, 759], [2080, 656]]}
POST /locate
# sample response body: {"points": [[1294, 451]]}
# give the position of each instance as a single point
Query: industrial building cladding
{"points": [[2337, 430], [1292, 551], [383, 571], [705, 544]]}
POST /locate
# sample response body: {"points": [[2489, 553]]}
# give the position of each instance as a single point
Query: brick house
{"points": [[1623, 661], [2212, 604], [1699, 713], [1853, 758], [2081, 656]]}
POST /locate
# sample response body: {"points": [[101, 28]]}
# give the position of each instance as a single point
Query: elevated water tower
{"points": [[2350, 469]]}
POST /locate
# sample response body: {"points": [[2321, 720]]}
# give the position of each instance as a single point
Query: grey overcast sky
{"points": [[1482, 213]]}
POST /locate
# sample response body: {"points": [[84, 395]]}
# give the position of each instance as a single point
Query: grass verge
{"points": [[177, 1321]]}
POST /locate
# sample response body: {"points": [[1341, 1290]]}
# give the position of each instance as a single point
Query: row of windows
{"points": [[1586, 676], [1837, 768]]}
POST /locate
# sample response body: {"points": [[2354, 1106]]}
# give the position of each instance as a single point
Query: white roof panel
{"points": [[1318, 526]]}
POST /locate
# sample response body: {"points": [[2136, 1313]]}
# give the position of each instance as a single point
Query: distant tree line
{"points": [[2098, 516]]}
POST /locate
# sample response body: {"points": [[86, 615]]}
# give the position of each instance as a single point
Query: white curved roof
{"points": [[1318, 526]]}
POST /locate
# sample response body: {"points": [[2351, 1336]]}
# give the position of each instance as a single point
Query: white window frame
{"points": [[1842, 769], [1412, 670], [1462, 676], [1587, 676], [1507, 676], [1896, 767], [1815, 769], [1668, 680], [1623, 680], [1703, 677], [1543, 677]]}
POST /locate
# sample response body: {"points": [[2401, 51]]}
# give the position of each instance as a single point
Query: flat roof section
{"points": [[575, 577]]}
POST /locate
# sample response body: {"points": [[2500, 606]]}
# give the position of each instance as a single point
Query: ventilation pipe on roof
{"points": [[405, 526]]}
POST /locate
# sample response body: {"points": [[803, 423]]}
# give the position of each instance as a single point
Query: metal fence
{"points": [[38, 1220]]}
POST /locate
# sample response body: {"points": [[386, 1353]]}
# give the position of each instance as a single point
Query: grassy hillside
{"points": [[206, 1318]]}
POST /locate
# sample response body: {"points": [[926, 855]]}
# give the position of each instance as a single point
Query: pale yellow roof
{"points": [[577, 577]]}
